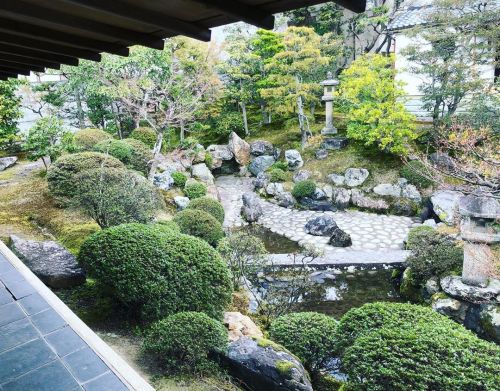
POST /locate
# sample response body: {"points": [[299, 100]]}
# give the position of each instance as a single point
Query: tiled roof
{"points": [[410, 16]]}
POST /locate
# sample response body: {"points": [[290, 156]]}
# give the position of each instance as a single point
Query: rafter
{"points": [[37, 54], [17, 65], [12, 58]]}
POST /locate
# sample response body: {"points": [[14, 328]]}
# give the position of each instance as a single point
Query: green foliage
{"points": [[323, 18], [157, 272], [87, 139], [144, 134], [61, 174], [304, 189], [116, 148], [432, 254], [228, 122], [188, 143], [417, 174], [309, 335], [390, 346], [179, 179], [195, 190], [183, 342], [133, 153], [210, 206], [201, 224], [114, 196], [10, 112], [281, 165], [277, 175], [371, 99]]}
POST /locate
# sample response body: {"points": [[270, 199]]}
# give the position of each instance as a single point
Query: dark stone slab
{"points": [[5, 296], [19, 289], [321, 205], [47, 321], [85, 364], [65, 341], [16, 333], [51, 377], [24, 358], [12, 276], [33, 304], [5, 266], [10, 313], [334, 143], [106, 382]]}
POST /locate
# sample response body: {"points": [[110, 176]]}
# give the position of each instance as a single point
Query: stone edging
{"points": [[117, 364]]}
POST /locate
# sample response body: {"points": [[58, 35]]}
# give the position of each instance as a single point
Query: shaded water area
{"points": [[273, 242]]}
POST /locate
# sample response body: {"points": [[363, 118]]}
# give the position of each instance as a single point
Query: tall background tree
{"points": [[10, 112]]}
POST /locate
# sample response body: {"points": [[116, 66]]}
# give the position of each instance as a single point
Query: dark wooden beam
{"points": [[7, 75], [12, 58], [19, 10], [34, 54], [32, 31], [14, 70], [49, 47], [21, 66], [240, 11], [142, 15]]}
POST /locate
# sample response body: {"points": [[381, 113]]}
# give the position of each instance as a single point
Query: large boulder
{"points": [[450, 307], [341, 197], [479, 206], [334, 143], [163, 181], [219, 154], [402, 189], [201, 172], [294, 160], [51, 262], [261, 164], [455, 287], [323, 225], [355, 176], [240, 325], [340, 238], [6, 162], [489, 317], [263, 365], [261, 147], [285, 199], [240, 149], [251, 209], [359, 199], [301, 175], [442, 160], [445, 204]]}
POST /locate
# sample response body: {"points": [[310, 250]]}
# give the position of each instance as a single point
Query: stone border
{"points": [[116, 363]]}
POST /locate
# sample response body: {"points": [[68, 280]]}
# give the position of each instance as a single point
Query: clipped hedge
{"points": [[144, 134], [194, 190], [62, 173], [87, 139], [308, 335], [183, 342], [141, 157], [304, 189], [201, 224], [158, 272], [133, 153], [210, 206]]}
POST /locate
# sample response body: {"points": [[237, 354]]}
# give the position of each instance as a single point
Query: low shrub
{"points": [[184, 341], [210, 206], [157, 272], [309, 335], [188, 143], [195, 190], [277, 175], [304, 189], [141, 157], [281, 165], [414, 172], [419, 236], [133, 153], [87, 139], [61, 174], [200, 224], [179, 179], [144, 134], [116, 148]]}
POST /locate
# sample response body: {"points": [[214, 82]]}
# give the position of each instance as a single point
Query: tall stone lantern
{"points": [[329, 88]]}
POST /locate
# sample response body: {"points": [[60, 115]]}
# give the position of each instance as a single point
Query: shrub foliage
{"points": [[201, 224], [414, 171], [304, 189], [277, 175], [144, 134], [195, 190], [210, 206], [87, 139], [179, 179]]}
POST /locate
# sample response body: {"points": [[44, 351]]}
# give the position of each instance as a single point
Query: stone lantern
{"points": [[329, 88]]}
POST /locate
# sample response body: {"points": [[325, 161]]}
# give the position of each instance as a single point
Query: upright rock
{"points": [[240, 149], [49, 261], [219, 154], [323, 225], [240, 325], [261, 164], [355, 176], [340, 238], [163, 181], [445, 204], [251, 209], [6, 162], [201, 172], [294, 160], [261, 147]]}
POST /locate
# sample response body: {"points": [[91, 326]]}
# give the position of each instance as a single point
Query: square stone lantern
{"points": [[328, 96], [479, 219]]}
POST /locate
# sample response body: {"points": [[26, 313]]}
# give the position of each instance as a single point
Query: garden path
{"points": [[369, 231]]}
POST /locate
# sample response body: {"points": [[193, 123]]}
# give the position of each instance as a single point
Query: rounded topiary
{"points": [[195, 190], [304, 189], [179, 179], [277, 175], [133, 153], [156, 271], [141, 156], [184, 341], [414, 172], [201, 224], [418, 236], [116, 148], [210, 206], [61, 174], [309, 335], [87, 139], [144, 134]]}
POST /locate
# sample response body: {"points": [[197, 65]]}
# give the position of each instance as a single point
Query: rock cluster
{"points": [[325, 225]]}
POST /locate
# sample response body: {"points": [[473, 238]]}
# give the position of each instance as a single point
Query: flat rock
{"points": [[355, 176], [479, 206], [163, 181], [363, 201], [334, 143], [6, 162], [317, 205], [336, 179], [454, 286], [240, 149], [321, 226], [49, 261]]}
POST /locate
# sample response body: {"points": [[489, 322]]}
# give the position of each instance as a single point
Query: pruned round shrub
{"points": [[157, 272], [210, 206], [414, 172], [201, 224], [277, 175], [116, 148], [420, 354], [61, 174], [183, 342], [133, 153], [304, 189], [308, 335], [144, 134], [141, 157], [114, 196], [194, 190], [420, 235], [179, 179], [168, 226], [87, 139]]}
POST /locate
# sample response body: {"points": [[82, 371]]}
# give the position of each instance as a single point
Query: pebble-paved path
{"points": [[369, 231]]}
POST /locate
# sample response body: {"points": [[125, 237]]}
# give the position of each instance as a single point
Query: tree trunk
{"points": [[312, 110], [245, 120], [79, 111], [156, 152], [183, 130], [302, 122]]}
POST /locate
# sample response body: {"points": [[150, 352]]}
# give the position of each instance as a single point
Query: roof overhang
{"points": [[39, 34]]}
